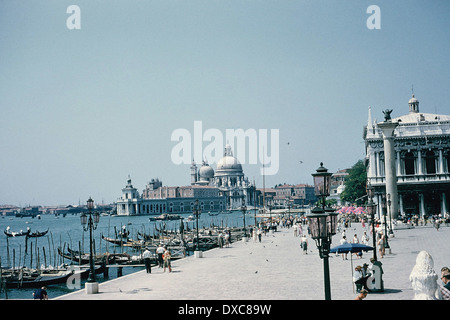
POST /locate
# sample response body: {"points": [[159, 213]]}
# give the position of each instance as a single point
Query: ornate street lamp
{"points": [[90, 224], [323, 222], [371, 207], [197, 212]]}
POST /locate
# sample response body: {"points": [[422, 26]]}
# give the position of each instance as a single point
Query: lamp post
{"points": [[322, 223], [270, 216], [389, 202], [386, 242], [244, 208], [371, 210], [90, 224], [197, 213]]}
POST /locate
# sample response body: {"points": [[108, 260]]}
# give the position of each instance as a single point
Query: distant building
{"points": [[229, 178], [285, 194], [422, 149], [157, 199], [338, 185], [225, 189]]}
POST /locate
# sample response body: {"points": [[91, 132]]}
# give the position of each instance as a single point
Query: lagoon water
{"points": [[67, 231]]}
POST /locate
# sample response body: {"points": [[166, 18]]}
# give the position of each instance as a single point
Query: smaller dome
{"points": [[206, 171], [413, 100]]}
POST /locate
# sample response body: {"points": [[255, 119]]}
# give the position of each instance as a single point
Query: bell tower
{"points": [[413, 105], [194, 173]]}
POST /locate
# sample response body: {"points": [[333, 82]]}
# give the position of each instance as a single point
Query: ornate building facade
{"points": [[229, 178], [225, 189], [157, 199], [422, 162]]}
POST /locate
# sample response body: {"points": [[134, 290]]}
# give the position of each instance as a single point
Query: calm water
{"points": [[67, 231]]}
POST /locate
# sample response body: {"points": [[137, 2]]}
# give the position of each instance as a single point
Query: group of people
{"points": [[163, 257], [224, 239]]}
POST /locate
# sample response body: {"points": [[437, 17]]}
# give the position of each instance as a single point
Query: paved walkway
{"points": [[276, 269]]}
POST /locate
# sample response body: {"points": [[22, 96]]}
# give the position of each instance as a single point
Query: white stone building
{"points": [[228, 178], [422, 161]]}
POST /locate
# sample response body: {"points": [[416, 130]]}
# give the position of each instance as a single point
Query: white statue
{"points": [[423, 278]]}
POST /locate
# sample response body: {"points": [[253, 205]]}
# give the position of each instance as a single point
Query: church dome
{"points": [[206, 172], [229, 163]]}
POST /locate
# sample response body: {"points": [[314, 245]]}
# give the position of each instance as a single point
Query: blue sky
{"points": [[82, 109]]}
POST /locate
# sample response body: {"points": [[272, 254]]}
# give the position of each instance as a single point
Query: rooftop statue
{"points": [[387, 114]]}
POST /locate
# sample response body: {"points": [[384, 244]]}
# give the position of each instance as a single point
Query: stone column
{"points": [[419, 163], [422, 205], [388, 128], [398, 162], [444, 204], [441, 162], [400, 203]]}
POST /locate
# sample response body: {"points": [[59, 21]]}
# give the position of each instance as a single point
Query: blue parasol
{"points": [[350, 247]]}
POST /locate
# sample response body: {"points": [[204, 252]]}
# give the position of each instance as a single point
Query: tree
{"points": [[355, 183]]}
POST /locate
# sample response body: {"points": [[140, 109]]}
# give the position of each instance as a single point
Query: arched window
{"points": [[430, 161], [409, 163]]}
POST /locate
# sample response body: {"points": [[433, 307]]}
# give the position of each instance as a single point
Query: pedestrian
{"points": [[444, 289], [304, 244], [147, 255], [40, 294], [227, 239], [437, 224], [358, 278], [220, 240], [381, 244], [365, 239], [366, 275], [344, 241], [160, 252], [259, 233], [362, 294], [167, 256]]}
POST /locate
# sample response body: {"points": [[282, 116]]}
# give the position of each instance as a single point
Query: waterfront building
{"points": [[228, 178], [422, 162], [225, 189], [157, 199]]}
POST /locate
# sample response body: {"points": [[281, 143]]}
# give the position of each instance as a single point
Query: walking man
{"points": [[160, 252], [147, 255]]}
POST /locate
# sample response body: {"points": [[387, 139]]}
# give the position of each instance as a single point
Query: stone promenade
{"points": [[276, 269]]}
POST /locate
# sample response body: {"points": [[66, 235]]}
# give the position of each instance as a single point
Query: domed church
{"points": [[228, 177]]}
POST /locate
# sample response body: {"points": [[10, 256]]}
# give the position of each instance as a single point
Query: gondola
{"points": [[16, 234], [73, 256], [37, 234], [119, 241], [37, 280]]}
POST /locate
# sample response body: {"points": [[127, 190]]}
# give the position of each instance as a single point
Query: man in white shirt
{"points": [[147, 255]]}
